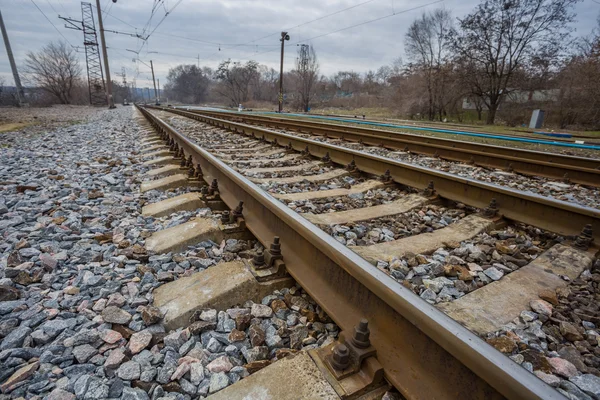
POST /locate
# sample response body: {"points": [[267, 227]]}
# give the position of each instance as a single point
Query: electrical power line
{"points": [[163, 18], [224, 45], [117, 18], [54, 26], [362, 23]]}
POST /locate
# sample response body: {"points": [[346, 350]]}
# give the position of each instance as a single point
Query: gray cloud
{"points": [[234, 22]]}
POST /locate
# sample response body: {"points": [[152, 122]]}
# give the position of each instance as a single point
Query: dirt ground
{"points": [[14, 119]]}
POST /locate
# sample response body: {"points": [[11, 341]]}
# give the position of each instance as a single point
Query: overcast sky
{"points": [[238, 28]]}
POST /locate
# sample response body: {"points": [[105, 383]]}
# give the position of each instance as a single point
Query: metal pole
{"points": [[158, 84], [20, 94], [111, 103], [154, 82], [280, 98]]}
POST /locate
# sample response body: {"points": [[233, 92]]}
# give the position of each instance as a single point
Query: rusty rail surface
{"points": [[556, 166], [425, 354], [543, 212]]}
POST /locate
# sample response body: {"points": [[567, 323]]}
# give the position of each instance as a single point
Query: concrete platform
{"points": [[498, 303], [169, 182], [335, 173], [294, 377], [283, 169], [287, 157], [185, 202], [157, 153], [169, 169], [399, 206], [221, 287], [319, 194], [425, 243], [178, 237], [160, 161]]}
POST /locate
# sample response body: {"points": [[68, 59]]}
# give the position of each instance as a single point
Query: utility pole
{"points": [[158, 84], [20, 94], [109, 96], [284, 37], [154, 82]]}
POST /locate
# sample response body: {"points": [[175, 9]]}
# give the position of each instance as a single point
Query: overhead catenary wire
{"points": [[51, 23], [362, 23], [118, 19], [234, 45], [393, 13]]}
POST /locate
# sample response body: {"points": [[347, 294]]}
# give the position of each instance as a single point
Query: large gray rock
{"points": [[90, 387], [115, 315], [15, 338], [218, 381], [129, 371], [589, 383], [84, 352], [134, 394]]}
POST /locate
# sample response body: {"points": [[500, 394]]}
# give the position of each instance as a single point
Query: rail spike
{"points": [[214, 187], [492, 210], [585, 238], [386, 178], [429, 191], [238, 211]]}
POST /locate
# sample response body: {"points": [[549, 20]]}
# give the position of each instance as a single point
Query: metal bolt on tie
{"points": [[361, 334], [225, 217], [585, 239], [491, 210], [340, 357], [237, 213], [214, 187], [352, 166], [429, 190], [387, 176], [275, 248], [259, 258]]}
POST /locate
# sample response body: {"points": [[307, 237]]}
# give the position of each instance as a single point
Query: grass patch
{"points": [[14, 126]]}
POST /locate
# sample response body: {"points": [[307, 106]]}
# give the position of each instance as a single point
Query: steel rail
{"points": [[549, 214], [425, 354], [577, 169]]}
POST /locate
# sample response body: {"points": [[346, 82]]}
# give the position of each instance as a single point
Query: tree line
{"points": [[496, 64]]}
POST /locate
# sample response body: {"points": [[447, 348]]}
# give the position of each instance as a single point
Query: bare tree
{"points": [[307, 72], [428, 48], [502, 36], [54, 69], [234, 80], [187, 83]]}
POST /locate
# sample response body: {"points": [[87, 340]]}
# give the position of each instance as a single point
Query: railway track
{"points": [[441, 351], [533, 163]]}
